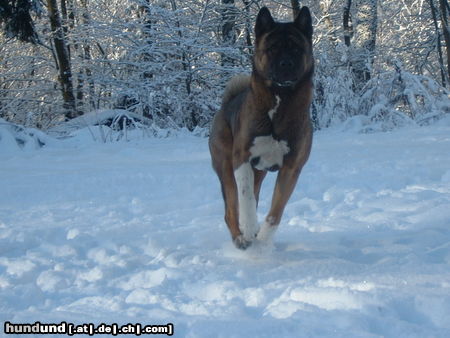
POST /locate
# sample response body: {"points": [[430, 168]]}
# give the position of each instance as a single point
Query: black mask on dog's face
{"points": [[283, 50]]}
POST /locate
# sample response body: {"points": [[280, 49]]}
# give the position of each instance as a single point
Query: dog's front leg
{"points": [[244, 176], [286, 181]]}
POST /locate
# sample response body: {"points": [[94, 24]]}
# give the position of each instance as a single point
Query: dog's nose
{"points": [[286, 63]]}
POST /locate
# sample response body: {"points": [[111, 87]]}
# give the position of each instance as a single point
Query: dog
{"points": [[264, 125]]}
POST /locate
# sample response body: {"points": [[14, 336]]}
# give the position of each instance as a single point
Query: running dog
{"points": [[264, 125]]}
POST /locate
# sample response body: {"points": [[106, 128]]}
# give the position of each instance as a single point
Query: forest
{"points": [[379, 63]]}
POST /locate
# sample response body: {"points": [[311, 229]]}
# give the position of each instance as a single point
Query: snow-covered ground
{"points": [[133, 232]]}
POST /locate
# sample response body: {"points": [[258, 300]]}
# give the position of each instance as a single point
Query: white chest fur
{"points": [[273, 111], [266, 152]]}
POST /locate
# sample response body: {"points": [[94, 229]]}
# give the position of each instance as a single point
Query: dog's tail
{"points": [[235, 86]]}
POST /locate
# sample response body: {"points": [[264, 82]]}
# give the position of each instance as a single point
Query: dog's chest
{"points": [[266, 152]]}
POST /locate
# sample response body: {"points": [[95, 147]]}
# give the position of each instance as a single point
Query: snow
{"points": [[133, 232]]}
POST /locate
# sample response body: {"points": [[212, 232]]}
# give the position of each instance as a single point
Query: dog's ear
{"points": [[304, 22], [264, 22]]}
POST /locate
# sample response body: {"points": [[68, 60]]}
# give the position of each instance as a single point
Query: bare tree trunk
{"points": [[362, 50], [438, 41], [228, 29], [146, 12], [63, 60], [87, 56], [446, 29], [295, 8], [248, 27], [184, 60], [347, 22], [74, 47], [185, 64]]}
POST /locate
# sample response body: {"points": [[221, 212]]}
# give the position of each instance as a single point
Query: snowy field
{"points": [[133, 232]]}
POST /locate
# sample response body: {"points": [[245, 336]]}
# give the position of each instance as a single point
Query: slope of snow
{"points": [[133, 232]]}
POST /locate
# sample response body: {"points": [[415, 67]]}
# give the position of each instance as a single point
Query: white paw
{"points": [[249, 232], [266, 232]]}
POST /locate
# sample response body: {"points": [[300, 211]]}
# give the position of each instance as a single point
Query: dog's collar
{"points": [[286, 84]]}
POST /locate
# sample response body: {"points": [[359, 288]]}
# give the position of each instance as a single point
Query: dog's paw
{"points": [[249, 232], [266, 232], [241, 243]]}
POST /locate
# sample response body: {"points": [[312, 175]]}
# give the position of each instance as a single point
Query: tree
{"points": [[445, 9], [228, 29], [63, 59], [16, 19], [295, 8], [434, 14], [347, 23], [361, 38]]}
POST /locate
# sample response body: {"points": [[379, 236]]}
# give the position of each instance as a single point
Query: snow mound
{"points": [[14, 137], [104, 125]]}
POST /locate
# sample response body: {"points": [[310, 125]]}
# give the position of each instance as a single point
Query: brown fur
{"points": [[235, 86], [244, 117]]}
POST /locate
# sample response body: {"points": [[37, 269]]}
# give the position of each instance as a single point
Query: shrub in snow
{"points": [[13, 137], [334, 100], [398, 98], [108, 126], [389, 100]]}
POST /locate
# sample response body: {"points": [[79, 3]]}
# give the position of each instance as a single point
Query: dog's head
{"points": [[283, 51]]}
